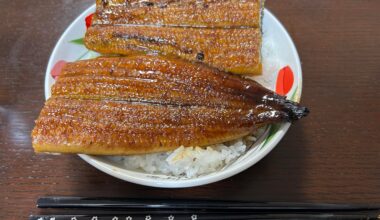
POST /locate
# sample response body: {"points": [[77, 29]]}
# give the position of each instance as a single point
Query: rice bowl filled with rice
{"points": [[194, 166]]}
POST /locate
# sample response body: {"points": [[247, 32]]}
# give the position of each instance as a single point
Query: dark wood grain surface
{"points": [[331, 156]]}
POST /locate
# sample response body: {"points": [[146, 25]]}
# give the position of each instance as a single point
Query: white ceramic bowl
{"points": [[278, 51]]}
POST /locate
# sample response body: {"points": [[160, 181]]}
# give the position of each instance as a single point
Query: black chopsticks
{"points": [[207, 217], [132, 209], [121, 203]]}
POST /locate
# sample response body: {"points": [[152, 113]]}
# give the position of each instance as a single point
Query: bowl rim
{"points": [[141, 178]]}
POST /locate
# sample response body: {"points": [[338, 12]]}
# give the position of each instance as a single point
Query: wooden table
{"points": [[331, 156]]}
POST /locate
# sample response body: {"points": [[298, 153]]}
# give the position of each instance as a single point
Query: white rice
{"points": [[188, 162]]}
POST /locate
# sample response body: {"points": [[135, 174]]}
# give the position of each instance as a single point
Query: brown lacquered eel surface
{"points": [[224, 34], [145, 103], [194, 13], [233, 50]]}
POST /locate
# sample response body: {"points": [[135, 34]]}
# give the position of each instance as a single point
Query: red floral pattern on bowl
{"points": [[57, 68], [285, 80]]}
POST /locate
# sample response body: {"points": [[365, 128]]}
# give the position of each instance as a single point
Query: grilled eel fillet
{"points": [[225, 34], [145, 104], [233, 50], [194, 13]]}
